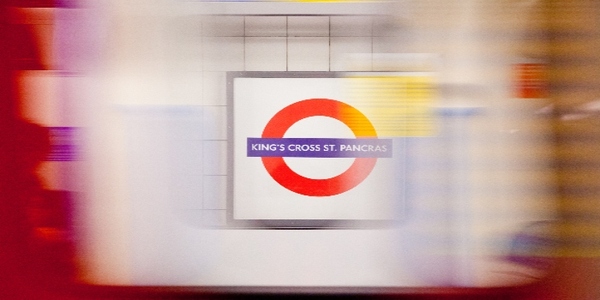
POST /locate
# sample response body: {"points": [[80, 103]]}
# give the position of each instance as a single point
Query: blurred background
{"points": [[74, 75]]}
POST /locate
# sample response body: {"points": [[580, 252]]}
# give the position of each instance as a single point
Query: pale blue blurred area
{"points": [[436, 238], [165, 193], [156, 97]]}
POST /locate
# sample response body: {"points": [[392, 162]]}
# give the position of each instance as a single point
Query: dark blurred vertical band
{"points": [[22, 147]]}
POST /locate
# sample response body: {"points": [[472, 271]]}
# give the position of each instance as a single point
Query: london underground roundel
{"points": [[272, 147]]}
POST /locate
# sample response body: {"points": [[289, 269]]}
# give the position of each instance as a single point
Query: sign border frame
{"points": [[283, 223]]}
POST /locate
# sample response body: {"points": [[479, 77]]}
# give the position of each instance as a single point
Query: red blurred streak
{"points": [[28, 269], [20, 275]]}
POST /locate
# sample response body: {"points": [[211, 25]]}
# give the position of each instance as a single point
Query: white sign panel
{"points": [[303, 149]]}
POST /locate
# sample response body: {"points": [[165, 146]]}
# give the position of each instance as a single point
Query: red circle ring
{"points": [[285, 118]]}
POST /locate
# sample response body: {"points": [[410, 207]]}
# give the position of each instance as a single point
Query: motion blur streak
{"points": [[574, 33], [35, 250], [98, 74]]}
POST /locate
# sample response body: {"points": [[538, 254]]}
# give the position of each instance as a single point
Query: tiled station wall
{"points": [[214, 45], [183, 60]]}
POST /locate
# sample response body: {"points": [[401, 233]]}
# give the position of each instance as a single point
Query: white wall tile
{"points": [[139, 45], [186, 157], [215, 122], [232, 26], [265, 54], [186, 88], [223, 53], [385, 26], [185, 44], [351, 25], [214, 217], [214, 88], [342, 50], [308, 26], [188, 58], [308, 54], [215, 192], [186, 191], [266, 26], [215, 158], [386, 45], [190, 217]]}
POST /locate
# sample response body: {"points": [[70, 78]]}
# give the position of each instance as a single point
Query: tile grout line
{"points": [[287, 37], [329, 40]]}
